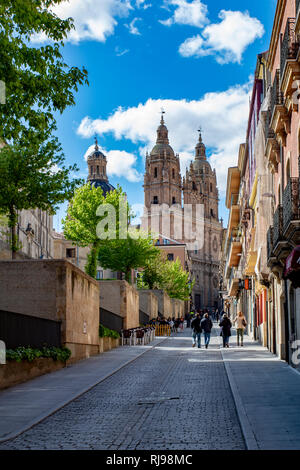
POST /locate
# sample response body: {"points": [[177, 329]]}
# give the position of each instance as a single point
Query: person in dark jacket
{"points": [[197, 330], [206, 325], [226, 330]]}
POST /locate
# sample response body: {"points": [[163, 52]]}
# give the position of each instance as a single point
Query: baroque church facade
{"points": [[164, 188]]}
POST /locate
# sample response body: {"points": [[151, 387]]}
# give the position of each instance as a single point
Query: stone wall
{"points": [[122, 299], [148, 303], [55, 290], [165, 307], [178, 308]]}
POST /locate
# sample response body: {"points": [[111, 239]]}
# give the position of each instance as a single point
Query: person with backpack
{"points": [[226, 330], [197, 330], [206, 325], [240, 322]]}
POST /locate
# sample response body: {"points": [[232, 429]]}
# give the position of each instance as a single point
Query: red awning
{"points": [[292, 264]]}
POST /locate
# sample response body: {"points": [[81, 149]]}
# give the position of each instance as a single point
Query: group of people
{"points": [[174, 323], [203, 324]]}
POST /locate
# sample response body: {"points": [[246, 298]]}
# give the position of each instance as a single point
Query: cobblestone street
{"points": [[172, 397]]}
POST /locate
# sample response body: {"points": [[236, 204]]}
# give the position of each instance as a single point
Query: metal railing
{"points": [[289, 44], [269, 133], [277, 225], [276, 93], [291, 202], [270, 242]]}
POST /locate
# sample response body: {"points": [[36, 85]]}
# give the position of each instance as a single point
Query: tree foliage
{"points": [[38, 84], [81, 222], [167, 275], [127, 254]]}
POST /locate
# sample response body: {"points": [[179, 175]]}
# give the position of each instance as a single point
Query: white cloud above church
{"points": [[223, 116]]}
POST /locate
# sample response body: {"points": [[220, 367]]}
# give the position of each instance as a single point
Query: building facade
{"points": [[262, 267], [168, 194]]}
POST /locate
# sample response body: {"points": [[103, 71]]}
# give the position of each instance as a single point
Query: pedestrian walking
{"points": [[226, 330], [206, 326], [240, 323], [197, 330]]}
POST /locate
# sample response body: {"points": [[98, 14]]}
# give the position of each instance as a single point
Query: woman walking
{"points": [[240, 322], [226, 330]]}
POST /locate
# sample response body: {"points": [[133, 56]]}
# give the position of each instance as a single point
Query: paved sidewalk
{"points": [[267, 396], [25, 405]]}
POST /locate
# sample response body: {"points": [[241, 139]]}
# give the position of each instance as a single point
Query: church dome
{"points": [[162, 146], [96, 153]]}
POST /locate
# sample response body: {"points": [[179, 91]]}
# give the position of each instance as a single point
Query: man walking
{"points": [[197, 330], [206, 326]]}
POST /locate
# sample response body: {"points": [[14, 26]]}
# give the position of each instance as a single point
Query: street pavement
{"points": [[166, 397]]}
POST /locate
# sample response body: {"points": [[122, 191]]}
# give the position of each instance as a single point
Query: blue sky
{"points": [[196, 59]]}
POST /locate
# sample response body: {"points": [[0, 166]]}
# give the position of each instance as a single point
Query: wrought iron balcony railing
{"points": [[291, 202], [270, 242], [269, 133], [289, 44], [276, 93], [277, 226]]}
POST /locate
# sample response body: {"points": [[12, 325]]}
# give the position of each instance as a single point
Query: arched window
{"points": [[173, 173], [98, 170], [173, 200], [210, 187], [194, 186], [155, 200], [155, 172]]}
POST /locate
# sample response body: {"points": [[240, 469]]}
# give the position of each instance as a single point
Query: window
{"points": [[155, 172], [173, 174], [99, 275], [194, 186], [211, 212], [71, 252], [173, 200], [170, 257], [98, 170], [155, 200], [210, 187]]}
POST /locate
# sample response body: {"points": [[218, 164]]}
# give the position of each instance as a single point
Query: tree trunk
{"points": [[12, 222], [128, 275]]}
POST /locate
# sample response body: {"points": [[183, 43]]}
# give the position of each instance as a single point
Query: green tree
{"points": [[127, 254], [167, 275], [38, 84], [82, 220], [153, 274], [176, 280], [29, 179]]}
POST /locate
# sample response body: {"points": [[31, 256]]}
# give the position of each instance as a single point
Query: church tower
{"points": [[200, 183], [200, 187], [162, 181], [97, 163]]}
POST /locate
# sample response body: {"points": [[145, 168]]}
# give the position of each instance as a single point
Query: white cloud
{"points": [[226, 40], [142, 4], [119, 52], [223, 116], [192, 13], [119, 163], [133, 28], [93, 19]]}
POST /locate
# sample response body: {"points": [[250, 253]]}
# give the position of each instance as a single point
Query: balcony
{"points": [[280, 122], [233, 287], [235, 252], [291, 213], [281, 247], [289, 66], [272, 147], [234, 216], [270, 243]]}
